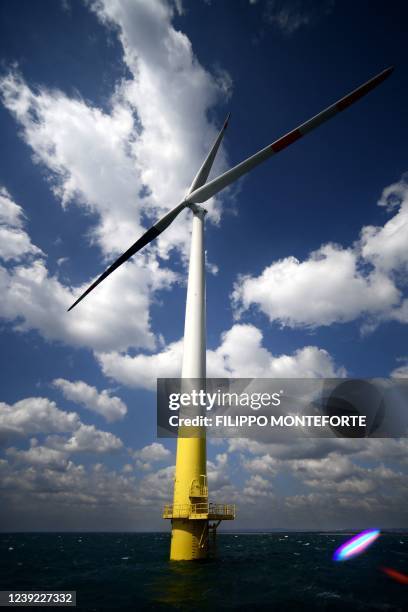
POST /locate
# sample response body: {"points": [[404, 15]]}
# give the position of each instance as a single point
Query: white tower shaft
{"points": [[194, 365]]}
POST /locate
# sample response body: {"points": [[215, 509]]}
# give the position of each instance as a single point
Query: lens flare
{"points": [[395, 575], [355, 546]]}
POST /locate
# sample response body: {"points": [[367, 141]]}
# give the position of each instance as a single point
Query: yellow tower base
{"points": [[191, 527], [189, 540]]}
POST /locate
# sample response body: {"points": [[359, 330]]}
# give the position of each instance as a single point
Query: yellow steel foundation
{"points": [[190, 486], [187, 541]]}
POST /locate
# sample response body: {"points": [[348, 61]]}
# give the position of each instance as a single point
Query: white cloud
{"points": [[240, 354], [265, 464], [110, 407], [384, 449], [401, 313], [116, 317], [346, 485], [340, 478], [171, 93], [75, 490], [142, 370], [85, 150], [33, 299], [386, 247], [86, 439], [35, 415], [327, 287], [141, 156], [157, 487], [219, 482], [15, 243], [273, 455], [342, 475], [39, 456], [336, 284], [257, 487], [39, 415], [135, 159], [332, 466], [152, 452], [10, 213]]}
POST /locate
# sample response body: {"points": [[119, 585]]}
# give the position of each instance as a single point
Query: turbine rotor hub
{"points": [[197, 209]]}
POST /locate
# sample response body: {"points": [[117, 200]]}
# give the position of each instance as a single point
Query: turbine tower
{"points": [[191, 514]]}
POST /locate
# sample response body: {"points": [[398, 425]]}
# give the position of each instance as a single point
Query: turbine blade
{"points": [[204, 171], [208, 190], [147, 237]]}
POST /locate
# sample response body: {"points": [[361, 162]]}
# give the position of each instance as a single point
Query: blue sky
{"points": [[108, 109]]}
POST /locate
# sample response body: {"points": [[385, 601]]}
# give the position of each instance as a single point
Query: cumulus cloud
{"points": [[336, 284], [85, 152], [384, 449], [337, 477], [328, 485], [219, 481], [240, 354], [326, 288], [265, 464], [142, 370], [131, 162], [342, 475], [39, 415], [15, 243], [257, 487], [38, 455], [386, 247], [157, 487], [152, 453], [140, 157], [11, 214], [35, 415], [305, 448], [103, 403], [171, 93], [47, 497], [86, 439], [33, 299]]}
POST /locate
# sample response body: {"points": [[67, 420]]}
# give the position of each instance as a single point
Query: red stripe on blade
{"points": [[362, 91], [286, 140]]}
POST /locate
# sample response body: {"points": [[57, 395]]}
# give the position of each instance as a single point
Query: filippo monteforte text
{"points": [[272, 421]]}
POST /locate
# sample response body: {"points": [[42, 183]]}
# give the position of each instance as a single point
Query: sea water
{"points": [[255, 571]]}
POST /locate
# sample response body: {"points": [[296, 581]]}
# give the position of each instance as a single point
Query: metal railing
{"points": [[198, 509]]}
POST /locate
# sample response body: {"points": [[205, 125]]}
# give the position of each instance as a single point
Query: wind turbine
{"points": [[190, 512]]}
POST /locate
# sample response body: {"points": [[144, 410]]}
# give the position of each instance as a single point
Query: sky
{"points": [[108, 108]]}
